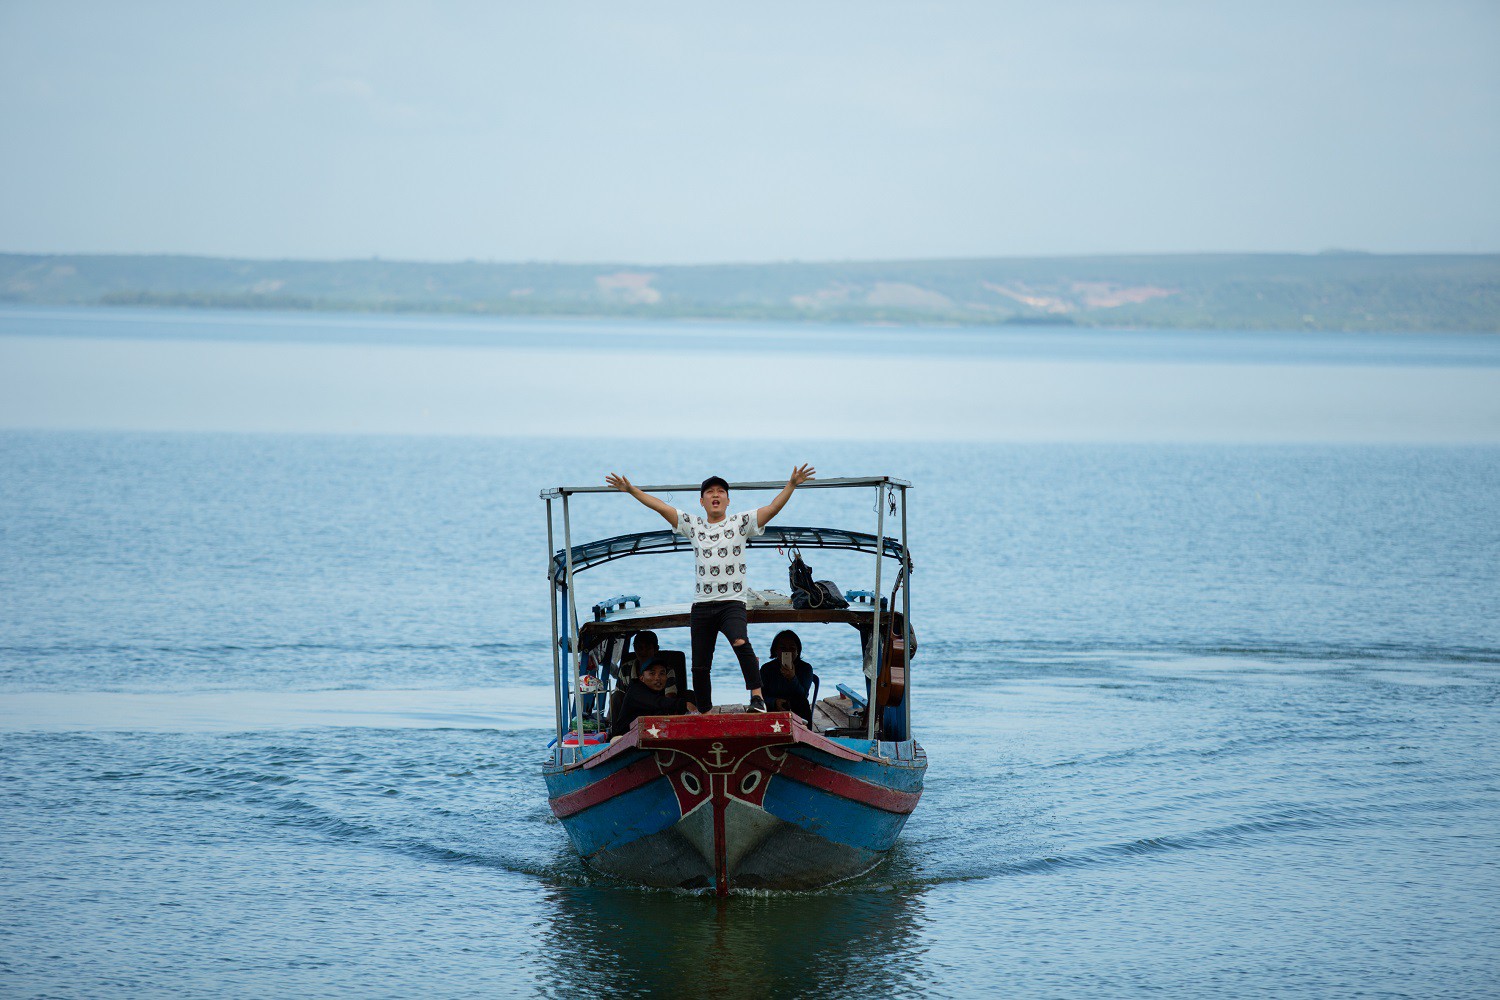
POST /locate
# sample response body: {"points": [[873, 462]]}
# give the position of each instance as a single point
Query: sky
{"points": [[692, 133]]}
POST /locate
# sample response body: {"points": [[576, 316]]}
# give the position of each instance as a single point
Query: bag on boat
{"points": [[831, 596], [801, 578], [810, 593]]}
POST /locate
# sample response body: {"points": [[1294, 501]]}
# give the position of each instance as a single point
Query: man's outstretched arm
{"points": [[663, 508], [800, 475]]}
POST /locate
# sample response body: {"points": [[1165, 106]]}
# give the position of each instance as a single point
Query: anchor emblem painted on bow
{"points": [[716, 751]]}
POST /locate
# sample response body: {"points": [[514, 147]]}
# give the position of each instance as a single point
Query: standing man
{"points": [[719, 542]]}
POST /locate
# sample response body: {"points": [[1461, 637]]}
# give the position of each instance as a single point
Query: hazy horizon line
{"points": [[1161, 254]]}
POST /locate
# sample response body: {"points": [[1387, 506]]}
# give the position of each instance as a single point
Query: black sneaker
{"points": [[757, 703]]}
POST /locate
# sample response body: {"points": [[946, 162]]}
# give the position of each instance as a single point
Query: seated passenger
{"points": [[787, 678], [647, 650], [647, 695], [646, 647]]}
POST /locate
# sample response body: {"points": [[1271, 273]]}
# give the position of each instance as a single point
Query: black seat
{"points": [[675, 660]]}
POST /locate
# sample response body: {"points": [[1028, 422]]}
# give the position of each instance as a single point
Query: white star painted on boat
{"points": [[775, 727], [654, 732]]}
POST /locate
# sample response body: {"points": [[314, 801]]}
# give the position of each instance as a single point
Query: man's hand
{"points": [[800, 475], [666, 510]]}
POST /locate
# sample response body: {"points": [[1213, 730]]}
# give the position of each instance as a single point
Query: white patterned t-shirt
{"points": [[720, 551]]}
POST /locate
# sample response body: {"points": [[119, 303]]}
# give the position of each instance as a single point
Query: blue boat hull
{"points": [[751, 802]]}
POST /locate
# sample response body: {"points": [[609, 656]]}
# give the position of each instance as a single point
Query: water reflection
{"points": [[628, 942]]}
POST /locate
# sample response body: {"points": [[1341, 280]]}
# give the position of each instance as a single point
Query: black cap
{"points": [[713, 481]]}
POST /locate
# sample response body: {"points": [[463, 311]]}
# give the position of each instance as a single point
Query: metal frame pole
{"points": [[572, 623], [906, 613], [563, 601], [875, 644], [557, 700]]}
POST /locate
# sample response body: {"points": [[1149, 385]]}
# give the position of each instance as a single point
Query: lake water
{"points": [[159, 370], [1206, 716]]}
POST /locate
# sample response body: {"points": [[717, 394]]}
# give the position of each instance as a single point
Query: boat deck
{"points": [[838, 715]]}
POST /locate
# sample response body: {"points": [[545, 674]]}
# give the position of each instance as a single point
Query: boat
{"points": [[731, 800]]}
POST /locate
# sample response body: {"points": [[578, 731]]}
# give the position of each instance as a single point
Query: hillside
{"points": [[1332, 291]]}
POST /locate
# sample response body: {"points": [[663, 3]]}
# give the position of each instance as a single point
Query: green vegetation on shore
{"points": [[1331, 291]]}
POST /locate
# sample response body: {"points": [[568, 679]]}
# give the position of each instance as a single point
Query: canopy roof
{"points": [[554, 492], [775, 536], [860, 616]]}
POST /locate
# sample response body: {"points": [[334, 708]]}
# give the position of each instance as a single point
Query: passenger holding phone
{"points": [[787, 679]]}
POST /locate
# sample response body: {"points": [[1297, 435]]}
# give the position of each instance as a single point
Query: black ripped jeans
{"points": [[708, 619]]}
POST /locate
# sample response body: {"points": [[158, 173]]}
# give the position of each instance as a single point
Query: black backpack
{"points": [[809, 593]]}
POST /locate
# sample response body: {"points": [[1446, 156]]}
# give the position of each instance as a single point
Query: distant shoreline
{"points": [[1345, 292]]}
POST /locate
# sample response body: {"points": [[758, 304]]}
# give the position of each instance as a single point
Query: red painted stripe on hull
{"points": [[846, 787], [626, 779]]}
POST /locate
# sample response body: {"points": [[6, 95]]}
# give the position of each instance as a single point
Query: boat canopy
{"points": [[592, 633], [567, 653], [844, 482], [775, 536]]}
